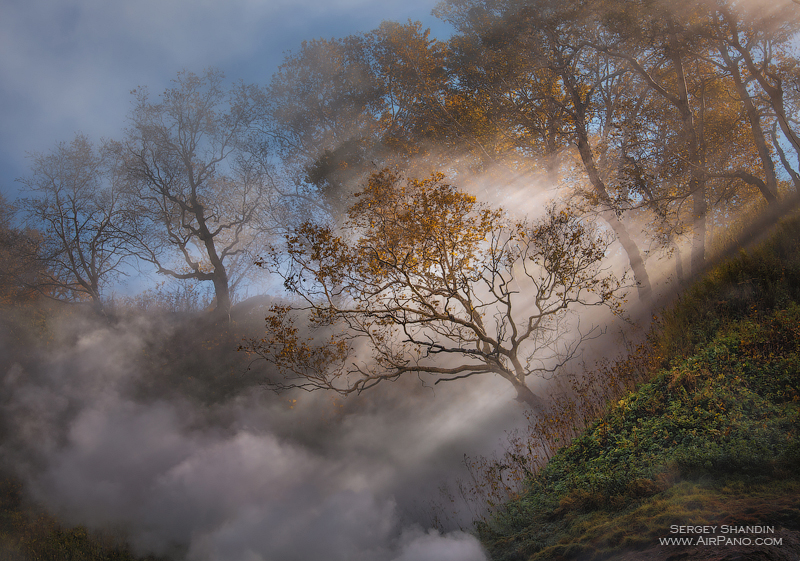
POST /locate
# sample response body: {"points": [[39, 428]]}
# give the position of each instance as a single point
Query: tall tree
{"points": [[324, 107], [198, 186], [546, 91], [659, 43], [508, 96], [342, 108], [416, 123]]}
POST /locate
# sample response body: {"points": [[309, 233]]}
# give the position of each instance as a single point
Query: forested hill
{"points": [[711, 440]]}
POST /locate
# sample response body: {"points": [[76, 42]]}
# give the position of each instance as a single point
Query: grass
{"points": [[712, 438]]}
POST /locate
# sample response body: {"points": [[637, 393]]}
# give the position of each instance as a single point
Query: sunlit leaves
{"points": [[296, 357], [434, 282]]}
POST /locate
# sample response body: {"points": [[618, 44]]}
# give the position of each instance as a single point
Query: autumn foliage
{"points": [[430, 281]]}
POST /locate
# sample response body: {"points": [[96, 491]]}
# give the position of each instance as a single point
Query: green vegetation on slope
{"points": [[713, 438]]}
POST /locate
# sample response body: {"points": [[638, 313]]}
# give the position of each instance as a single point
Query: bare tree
{"points": [[198, 190], [433, 283], [75, 205]]}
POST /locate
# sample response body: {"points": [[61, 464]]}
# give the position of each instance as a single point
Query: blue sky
{"points": [[68, 66]]}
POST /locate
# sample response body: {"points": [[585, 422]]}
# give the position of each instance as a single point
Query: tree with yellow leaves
{"points": [[435, 284]]}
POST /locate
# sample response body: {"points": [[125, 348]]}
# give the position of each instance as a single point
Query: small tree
{"points": [[432, 282], [75, 206]]}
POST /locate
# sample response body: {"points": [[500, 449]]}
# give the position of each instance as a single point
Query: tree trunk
{"points": [[220, 275], [784, 160], [635, 260], [699, 209], [697, 187], [770, 187], [222, 295], [526, 396], [679, 266], [517, 379]]}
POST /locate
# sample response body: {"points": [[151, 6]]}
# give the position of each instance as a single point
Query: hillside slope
{"points": [[712, 440]]}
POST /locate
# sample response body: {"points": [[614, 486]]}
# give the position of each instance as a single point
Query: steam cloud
{"points": [[245, 478]]}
